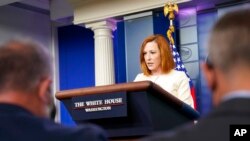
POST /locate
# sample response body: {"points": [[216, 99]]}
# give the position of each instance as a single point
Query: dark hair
{"points": [[23, 63], [167, 62]]}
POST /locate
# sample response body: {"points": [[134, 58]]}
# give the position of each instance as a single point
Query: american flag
{"points": [[180, 67], [177, 59]]}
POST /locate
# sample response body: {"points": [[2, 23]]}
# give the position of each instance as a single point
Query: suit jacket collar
{"points": [[9, 109]]}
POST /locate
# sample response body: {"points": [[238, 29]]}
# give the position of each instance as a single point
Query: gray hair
{"points": [[229, 44], [23, 63]]}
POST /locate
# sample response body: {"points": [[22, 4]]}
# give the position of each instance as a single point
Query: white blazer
{"points": [[175, 82]]}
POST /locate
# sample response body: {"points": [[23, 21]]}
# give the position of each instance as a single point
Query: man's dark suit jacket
{"points": [[214, 127], [18, 124]]}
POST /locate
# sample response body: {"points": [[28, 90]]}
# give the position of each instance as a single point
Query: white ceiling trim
{"points": [[97, 10]]}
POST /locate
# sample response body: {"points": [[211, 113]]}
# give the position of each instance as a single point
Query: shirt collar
{"points": [[237, 94]]}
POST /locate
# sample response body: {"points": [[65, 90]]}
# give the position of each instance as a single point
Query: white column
{"points": [[104, 55]]}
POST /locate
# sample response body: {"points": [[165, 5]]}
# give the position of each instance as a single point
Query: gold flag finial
{"points": [[169, 9]]}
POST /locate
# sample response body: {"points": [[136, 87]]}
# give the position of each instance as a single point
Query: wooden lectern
{"points": [[127, 110]]}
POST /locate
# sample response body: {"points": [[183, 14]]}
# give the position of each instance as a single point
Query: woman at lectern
{"points": [[157, 65]]}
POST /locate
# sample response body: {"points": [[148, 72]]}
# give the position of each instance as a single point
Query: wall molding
{"points": [[97, 10]]}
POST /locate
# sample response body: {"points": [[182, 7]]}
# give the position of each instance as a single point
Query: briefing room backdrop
{"points": [[75, 44], [76, 50]]}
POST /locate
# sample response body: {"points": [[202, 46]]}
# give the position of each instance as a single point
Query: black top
{"points": [[18, 124], [214, 127]]}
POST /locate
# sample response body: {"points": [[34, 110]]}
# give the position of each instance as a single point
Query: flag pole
{"points": [[169, 10]]}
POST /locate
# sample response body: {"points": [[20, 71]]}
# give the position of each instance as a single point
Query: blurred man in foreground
{"points": [[227, 72], [25, 98]]}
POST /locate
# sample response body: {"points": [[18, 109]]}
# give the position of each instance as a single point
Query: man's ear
{"points": [[210, 76], [43, 89]]}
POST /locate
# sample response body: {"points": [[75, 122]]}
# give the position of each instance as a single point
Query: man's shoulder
{"points": [[207, 128], [40, 129], [74, 132], [191, 132]]}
